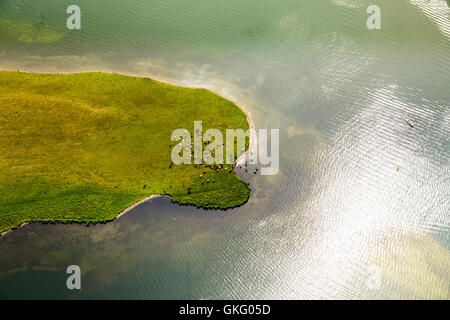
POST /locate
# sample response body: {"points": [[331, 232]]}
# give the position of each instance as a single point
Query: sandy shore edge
{"points": [[240, 160], [11, 230], [137, 204]]}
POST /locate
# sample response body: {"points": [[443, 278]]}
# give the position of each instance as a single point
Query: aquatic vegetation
{"points": [[84, 147], [29, 32]]}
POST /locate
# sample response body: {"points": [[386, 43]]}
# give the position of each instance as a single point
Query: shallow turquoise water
{"points": [[340, 95]]}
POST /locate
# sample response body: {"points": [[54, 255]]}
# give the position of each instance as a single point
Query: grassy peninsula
{"points": [[84, 147]]}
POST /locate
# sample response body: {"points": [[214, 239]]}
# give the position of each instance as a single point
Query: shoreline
{"points": [[247, 113], [11, 230], [134, 205]]}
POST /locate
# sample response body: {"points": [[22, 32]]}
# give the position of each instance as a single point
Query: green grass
{"points": [[84, 147]]}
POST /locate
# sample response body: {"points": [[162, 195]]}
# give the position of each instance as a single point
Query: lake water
{"points": [[338, 221]]}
